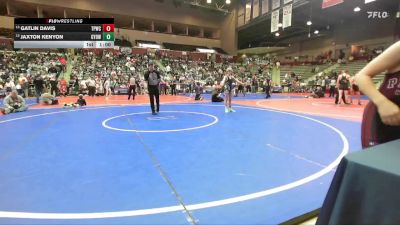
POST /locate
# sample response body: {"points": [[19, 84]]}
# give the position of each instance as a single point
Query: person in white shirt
{"points": [[13, 103], [9, 86], [91, 83], [132, 88], [24, 84], [82, 87], [107, 87], [332, 87]]}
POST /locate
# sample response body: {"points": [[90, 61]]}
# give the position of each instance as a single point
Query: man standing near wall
{"points": [[153, 78]]}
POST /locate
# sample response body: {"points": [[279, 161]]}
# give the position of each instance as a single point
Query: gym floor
{"points": [[112, 162]]}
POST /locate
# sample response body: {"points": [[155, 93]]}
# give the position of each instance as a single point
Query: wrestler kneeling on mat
{"points": [[48, 99], [381, 120]]}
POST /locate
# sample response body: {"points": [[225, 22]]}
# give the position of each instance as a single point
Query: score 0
{"points": [[108, 27]]}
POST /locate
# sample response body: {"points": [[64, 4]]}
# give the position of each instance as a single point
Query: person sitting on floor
{"points": [[215, 96], [81, 101], [48, 99], [13, 103], [317, 93]]}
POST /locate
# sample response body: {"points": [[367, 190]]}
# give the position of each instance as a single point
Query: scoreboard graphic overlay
{"points": [[64, 33]]}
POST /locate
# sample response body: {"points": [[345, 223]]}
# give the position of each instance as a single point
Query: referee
{"points": [[153, 80]]}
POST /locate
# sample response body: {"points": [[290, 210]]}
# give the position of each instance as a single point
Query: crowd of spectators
{"points": [[108, 72], [93, 73], [18, 70]]}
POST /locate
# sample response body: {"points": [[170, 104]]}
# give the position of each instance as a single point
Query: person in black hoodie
{"points": [[39, 85], [153, 78]]}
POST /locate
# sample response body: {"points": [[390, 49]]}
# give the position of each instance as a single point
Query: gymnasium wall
{"points": [[361, 31], [311, 47], [133, 35], [229, 39], [362, 28], [7, 22]]}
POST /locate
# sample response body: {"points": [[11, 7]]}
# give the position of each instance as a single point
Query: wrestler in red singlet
{"points": [[381, 121], [373, 130]]}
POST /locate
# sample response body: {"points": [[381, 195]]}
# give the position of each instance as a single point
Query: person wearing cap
{"points": [[229, 86], [153, 78]]}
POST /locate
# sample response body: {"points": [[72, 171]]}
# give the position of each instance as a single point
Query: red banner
{"points": [[329, 3]]}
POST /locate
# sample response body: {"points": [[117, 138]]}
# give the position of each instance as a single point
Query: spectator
{"points": [[107, 86], [198, 90], [267, 85], [332, 85], [91, 84], [343, 84], [216, 92], [48, 99], [173, 85], [39, 86], [53, 85], [254, 84], [23, 81], [63, 87], [13, 103], [9, 85], [132, 88], [81, 101]]}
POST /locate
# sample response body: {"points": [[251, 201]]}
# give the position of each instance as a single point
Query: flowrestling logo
{"points": [[377, 14]]}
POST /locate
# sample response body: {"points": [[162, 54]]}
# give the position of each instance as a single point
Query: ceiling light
{"points": [[228, 1], [145, 45], [309, 23], [357, 9], [316, 32], [205, 50], [208, 1], [368, 1], [277, 34]]}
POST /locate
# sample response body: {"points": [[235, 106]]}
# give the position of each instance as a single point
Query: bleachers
{"points": [[181, 47], [356, 66], [305, 71], [353, 67]]}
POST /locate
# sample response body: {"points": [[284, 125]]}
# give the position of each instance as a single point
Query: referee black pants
{"points": [[154, 93], [132, 91]]}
